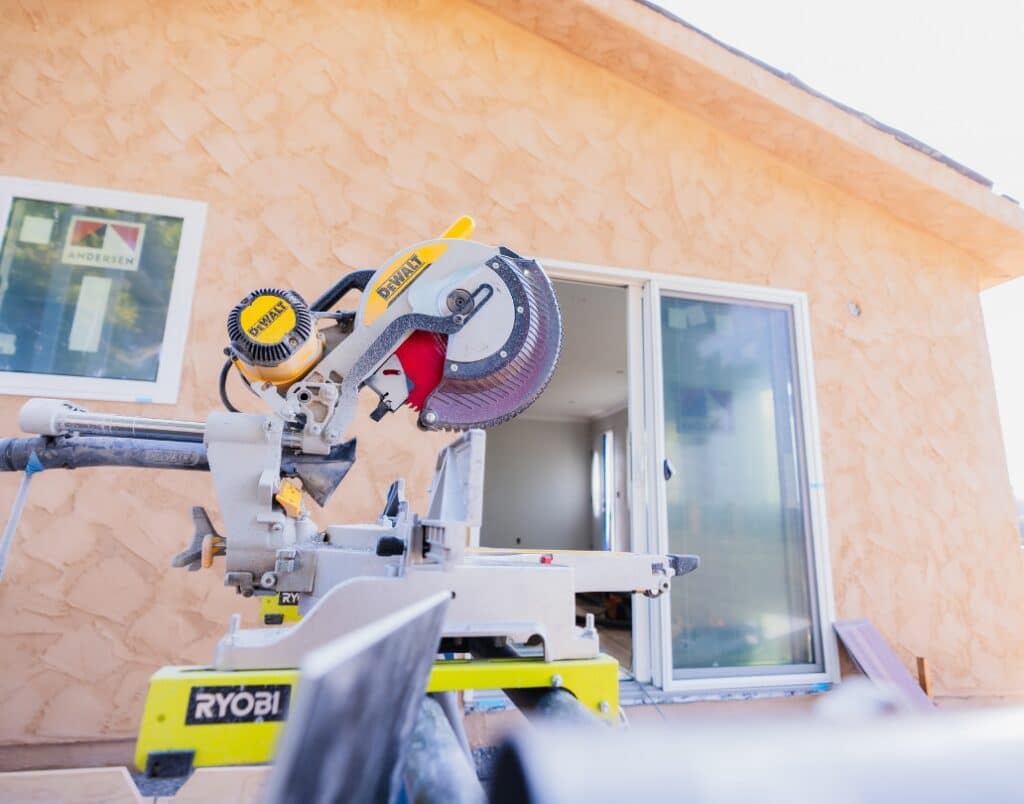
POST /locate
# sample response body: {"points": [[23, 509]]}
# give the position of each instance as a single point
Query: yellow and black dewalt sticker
{"points": [[267, 319], [396, 278]]}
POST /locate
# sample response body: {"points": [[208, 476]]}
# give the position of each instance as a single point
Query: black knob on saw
{"points": [[390, 546]]}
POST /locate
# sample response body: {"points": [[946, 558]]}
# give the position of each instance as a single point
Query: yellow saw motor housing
{"points": [[273, 337]]}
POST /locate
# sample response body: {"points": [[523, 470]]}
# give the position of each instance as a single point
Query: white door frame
{"points": [[652, 653]]}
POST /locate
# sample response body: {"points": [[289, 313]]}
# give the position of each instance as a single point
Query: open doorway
{"points": [[556, 477]]}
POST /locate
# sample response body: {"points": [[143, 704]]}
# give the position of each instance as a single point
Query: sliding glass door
{"points": [[736, 492], [723, 462]]}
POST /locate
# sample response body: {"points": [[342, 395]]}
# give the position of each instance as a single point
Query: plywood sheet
{"points": [[238, 785], [76, 786]]}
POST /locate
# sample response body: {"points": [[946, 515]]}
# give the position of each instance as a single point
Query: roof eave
{"points": [[752, 101]]}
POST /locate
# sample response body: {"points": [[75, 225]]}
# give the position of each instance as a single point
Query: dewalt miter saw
{"points": [[466, 334]]}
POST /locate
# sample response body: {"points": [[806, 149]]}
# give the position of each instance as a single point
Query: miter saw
{"points": [[468, 335]]}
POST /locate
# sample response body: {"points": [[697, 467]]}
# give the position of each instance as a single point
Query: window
{"points": [[95, 291]]}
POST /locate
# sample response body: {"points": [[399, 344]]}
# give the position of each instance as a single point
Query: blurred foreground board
{"points": [[875, 659]]}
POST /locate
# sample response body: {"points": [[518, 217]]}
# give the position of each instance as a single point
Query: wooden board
{"points": [[75, 786], [238, 785], [877, 660]]}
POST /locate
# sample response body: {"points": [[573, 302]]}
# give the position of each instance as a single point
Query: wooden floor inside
{"points": [[616, 640]]}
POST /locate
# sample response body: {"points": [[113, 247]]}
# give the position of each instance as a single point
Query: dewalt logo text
{"points": [[268, 318], [394, 279], [403, 275]]}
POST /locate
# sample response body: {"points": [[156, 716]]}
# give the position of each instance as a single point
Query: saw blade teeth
{"points": [[462, 404]]}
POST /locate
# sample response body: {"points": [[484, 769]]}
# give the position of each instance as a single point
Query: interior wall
{"points": [[537, 485], [590, 378]]}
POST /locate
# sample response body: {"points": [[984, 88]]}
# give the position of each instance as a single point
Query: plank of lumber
{"points": [[877, 660], [233, 785], [924, 676], [77, 786]]}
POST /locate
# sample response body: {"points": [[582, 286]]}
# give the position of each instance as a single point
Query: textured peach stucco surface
{"points": [[325, 135]]}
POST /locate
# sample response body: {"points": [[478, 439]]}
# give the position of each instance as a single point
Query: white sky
{"points": [[947, 72]]}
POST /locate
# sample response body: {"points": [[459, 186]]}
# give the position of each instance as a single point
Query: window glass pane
{"points": [[736, 496], [84, 291]]}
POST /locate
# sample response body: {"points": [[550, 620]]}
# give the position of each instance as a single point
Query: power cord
{"points": [[222, 386]]}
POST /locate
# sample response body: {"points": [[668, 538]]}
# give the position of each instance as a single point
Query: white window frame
{"points": [[652, 650], [163, 390]]}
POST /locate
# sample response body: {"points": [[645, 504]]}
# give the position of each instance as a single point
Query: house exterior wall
{"points": [[326, 135]]}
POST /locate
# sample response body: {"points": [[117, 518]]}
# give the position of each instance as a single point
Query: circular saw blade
{"points": [[517, 374]]}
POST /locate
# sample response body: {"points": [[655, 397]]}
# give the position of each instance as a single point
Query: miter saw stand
{"points": [[346, 576]]}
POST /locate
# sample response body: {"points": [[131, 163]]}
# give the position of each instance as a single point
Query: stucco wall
{"points": [[325, 135]]}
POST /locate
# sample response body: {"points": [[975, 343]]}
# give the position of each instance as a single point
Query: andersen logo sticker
{"points": [[250, 703], [103, 243]]}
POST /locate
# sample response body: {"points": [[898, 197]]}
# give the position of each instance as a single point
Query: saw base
{"points": [[197, 717]]}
